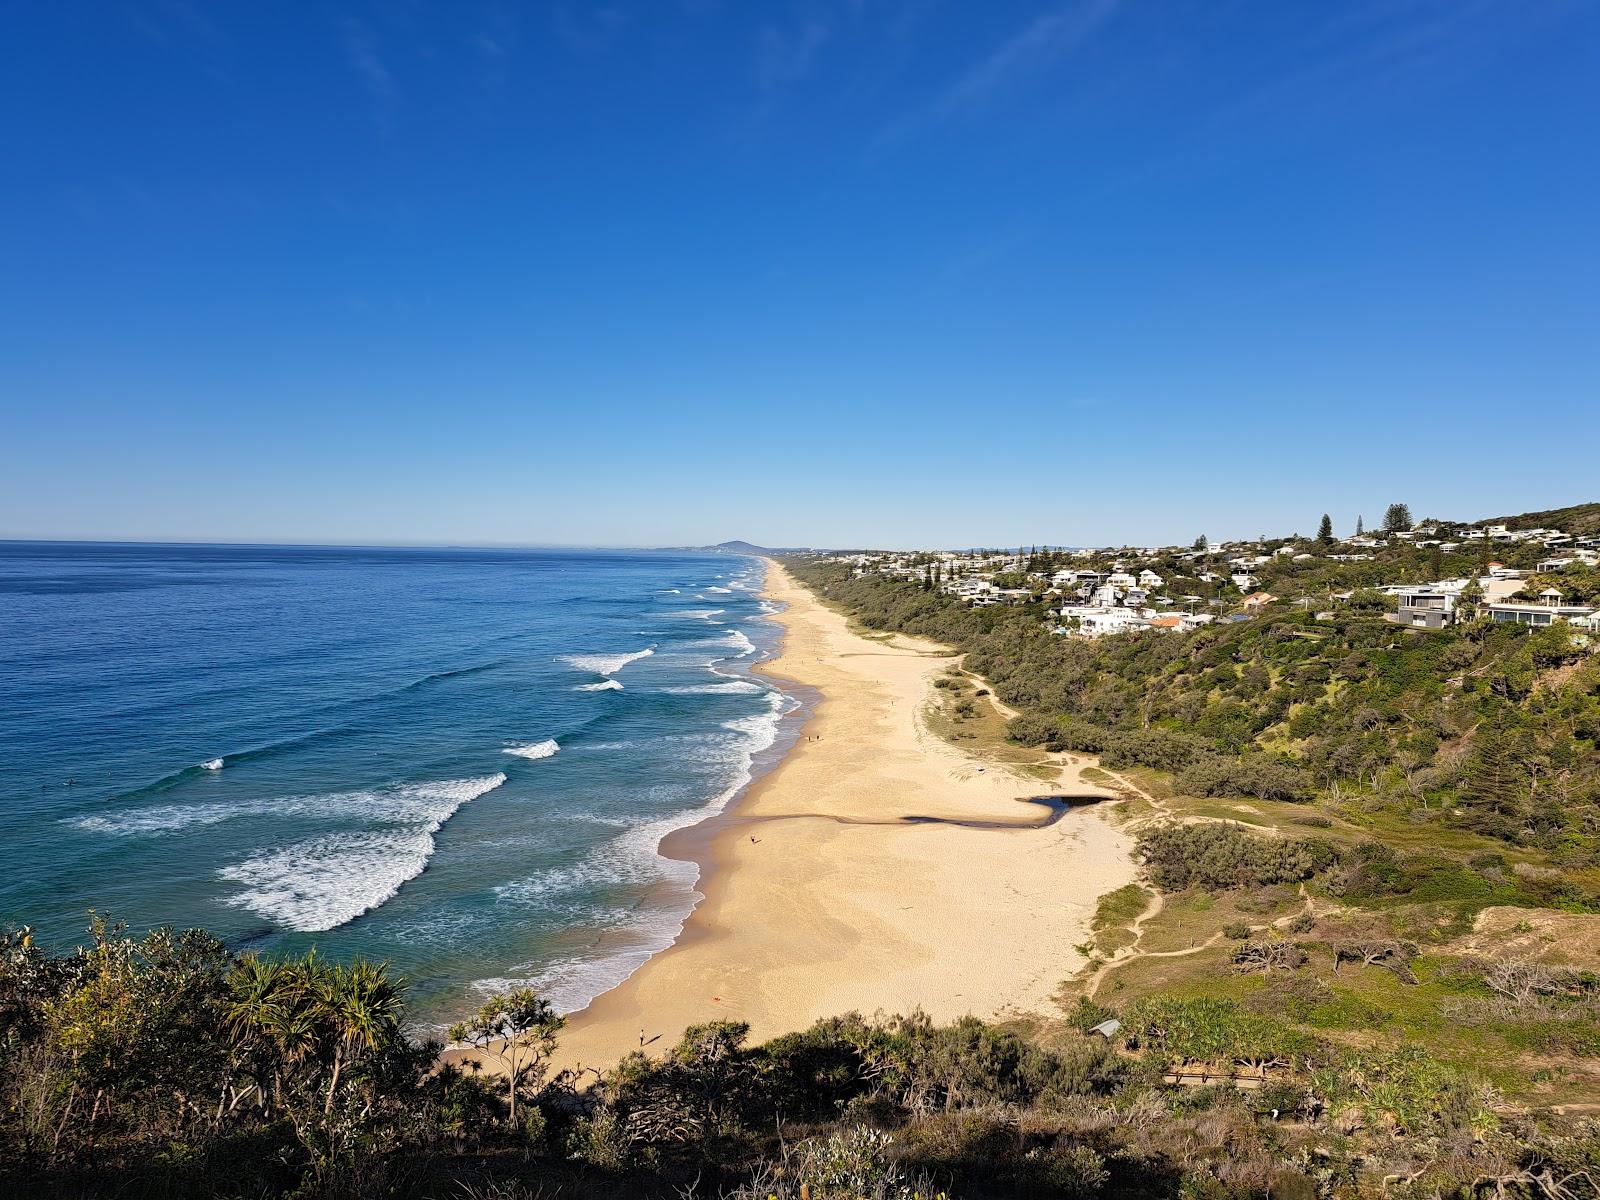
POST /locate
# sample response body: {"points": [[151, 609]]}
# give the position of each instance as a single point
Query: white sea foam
{"points": [[605, 664], [736, 640], [212, 764], [322, 882], [159, 819], [697, 614], [723, 590], [733, 687], [607, 685], [534, 749], [761, 730], [631, 933]]}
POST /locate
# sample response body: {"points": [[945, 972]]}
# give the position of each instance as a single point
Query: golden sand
{"points": [[819, 899]]}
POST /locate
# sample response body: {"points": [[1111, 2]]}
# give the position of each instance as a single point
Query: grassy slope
{"points": [[1355, 1005]]}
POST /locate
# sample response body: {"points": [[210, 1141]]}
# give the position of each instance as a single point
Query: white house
{"points": [[1539, 614], [1097, 622]]}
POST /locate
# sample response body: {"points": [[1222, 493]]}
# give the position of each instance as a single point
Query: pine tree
{"points": [[1360, 526], [1397, 518], [1325, 530], [1496, 777]]}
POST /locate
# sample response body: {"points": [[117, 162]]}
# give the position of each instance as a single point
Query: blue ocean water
{"points": [[461, 761]]}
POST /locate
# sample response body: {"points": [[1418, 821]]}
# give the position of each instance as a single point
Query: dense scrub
{"points": [[170, 1067]]}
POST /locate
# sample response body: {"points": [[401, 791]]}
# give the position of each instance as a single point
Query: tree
{"points": [[362, 1007], [1325, 530], [1361, 525], [1396, 518], [1496, 777], [1200, 543], [518, 1030]]}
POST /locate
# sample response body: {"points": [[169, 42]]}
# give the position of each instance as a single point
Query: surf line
{"points": [[1056, 806]]}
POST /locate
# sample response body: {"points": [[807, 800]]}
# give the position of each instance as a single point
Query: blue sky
{"points": [[831, 272]]}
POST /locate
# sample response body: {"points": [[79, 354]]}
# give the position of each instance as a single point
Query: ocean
{"points": [[458, 761]]}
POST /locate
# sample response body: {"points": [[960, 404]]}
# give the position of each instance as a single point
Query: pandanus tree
{"points": [[256, 1006], [361, 1008], [303, 1024], [517, 1030]]}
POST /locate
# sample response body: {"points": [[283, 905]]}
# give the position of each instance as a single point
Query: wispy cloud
{"points": [[361, 49], [177, 23], [786, 56], [588, 31], [1044, 42]]}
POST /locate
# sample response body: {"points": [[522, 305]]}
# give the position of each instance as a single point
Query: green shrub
{"points": [[1211, 1030], [1251, 775], [1218, 856], [1407, 1088]]}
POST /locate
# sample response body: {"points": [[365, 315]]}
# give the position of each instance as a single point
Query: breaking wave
{"points": [[534, 750], [732, 687], [605, 664], [321, 883], [628, 934]]}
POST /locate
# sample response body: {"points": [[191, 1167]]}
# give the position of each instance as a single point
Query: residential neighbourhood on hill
{"points": [[1426, 575]]}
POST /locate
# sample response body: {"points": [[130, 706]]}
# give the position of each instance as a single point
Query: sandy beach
{"points": [[820, 898]]}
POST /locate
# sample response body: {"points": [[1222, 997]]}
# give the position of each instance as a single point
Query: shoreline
{"points": [[871, 867]]}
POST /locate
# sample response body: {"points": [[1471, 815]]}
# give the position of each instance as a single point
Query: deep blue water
{"points": [[461, 761]]}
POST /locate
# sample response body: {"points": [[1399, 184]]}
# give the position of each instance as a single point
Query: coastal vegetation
{"points": [[168, 1066]]}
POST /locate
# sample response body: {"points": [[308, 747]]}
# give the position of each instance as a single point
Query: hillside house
{"points": [[1538, 615]]}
